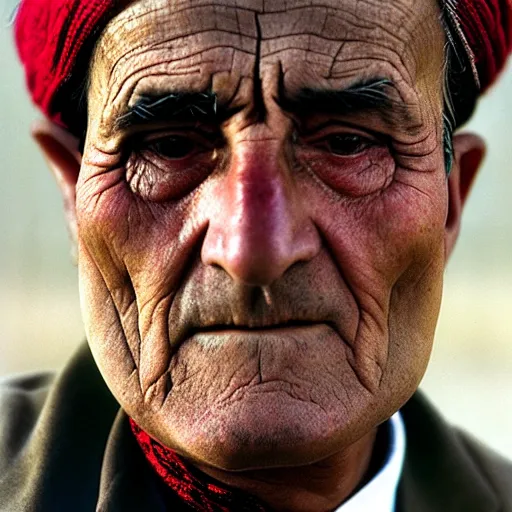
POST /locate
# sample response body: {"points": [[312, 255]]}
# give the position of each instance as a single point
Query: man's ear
{"points": [[469, 151], [61, 152]]}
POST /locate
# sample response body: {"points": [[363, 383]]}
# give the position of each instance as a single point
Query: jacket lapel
{"points": [[126, 479], [439, 475]]}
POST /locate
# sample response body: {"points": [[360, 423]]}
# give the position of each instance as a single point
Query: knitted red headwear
{"points": [[55, 38], [52, 37]]}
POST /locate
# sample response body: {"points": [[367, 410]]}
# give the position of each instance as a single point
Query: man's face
{"points": [[261, 220]]}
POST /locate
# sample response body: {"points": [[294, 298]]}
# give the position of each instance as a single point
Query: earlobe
{"points": [[469, 152], [60, 150]]}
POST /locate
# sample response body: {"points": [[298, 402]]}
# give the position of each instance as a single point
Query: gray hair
{"points": [[461, 85]]}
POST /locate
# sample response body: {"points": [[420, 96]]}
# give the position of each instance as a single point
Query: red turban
{"points": [[50, 37], [485, 27], [55, 38]]}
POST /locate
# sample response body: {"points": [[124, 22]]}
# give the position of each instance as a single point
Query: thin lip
{"points": [[279, 327]]}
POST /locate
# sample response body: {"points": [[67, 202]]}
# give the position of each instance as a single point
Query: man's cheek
{"points": [[414, 309], [379, 242], [400, 227], [130, 342], [126, 235], [132, 255], [111, 324], [111, 216]]}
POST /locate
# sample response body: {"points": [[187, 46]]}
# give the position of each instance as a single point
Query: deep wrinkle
{"points": [[259, 108], [360, 97]]}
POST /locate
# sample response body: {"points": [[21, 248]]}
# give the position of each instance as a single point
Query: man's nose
{"points": [[261, 226]]}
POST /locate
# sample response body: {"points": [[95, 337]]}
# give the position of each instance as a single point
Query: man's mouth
{"points": [[257, 327], [209, 302]]}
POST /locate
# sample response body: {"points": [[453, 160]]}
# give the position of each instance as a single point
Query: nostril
{"points": [[259, 255]]}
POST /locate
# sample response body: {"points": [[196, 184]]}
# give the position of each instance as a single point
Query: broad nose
{"points": [[261, 226]]}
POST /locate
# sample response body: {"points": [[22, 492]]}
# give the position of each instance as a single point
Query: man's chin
{"points": [[267, 429]]}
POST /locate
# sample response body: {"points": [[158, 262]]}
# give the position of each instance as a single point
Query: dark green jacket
{"points": [[65, 446]]}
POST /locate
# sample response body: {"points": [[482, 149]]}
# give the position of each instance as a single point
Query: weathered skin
{"points": [[265, 227]]}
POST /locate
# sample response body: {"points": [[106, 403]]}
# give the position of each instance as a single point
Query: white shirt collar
{"points": [[379, 494]]}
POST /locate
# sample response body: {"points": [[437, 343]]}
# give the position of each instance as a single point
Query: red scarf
{"points": [[200, 493]]}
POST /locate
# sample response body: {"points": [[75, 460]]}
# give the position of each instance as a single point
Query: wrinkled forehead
{"points": [[322, 43]]}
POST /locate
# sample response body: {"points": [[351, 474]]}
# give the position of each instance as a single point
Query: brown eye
{"points": [[347, 144], [173, 147]]}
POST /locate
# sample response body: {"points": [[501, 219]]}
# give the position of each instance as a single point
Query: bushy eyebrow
{"points": [[182, 106], [375, 95], [203, 107]]}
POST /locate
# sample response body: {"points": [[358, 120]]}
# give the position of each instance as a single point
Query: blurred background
{"points": [[470, 375]]}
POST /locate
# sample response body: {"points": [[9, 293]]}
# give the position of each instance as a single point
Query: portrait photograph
{"points": [[256, 255]]}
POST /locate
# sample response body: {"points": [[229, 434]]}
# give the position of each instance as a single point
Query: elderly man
{"points": [[263, 197]]}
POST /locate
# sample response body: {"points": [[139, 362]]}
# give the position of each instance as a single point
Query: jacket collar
{"points": [[439, 472], [127, 482]]}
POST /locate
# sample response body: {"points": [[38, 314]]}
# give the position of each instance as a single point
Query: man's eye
{"points": [[174, 147], [347, 144]]}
